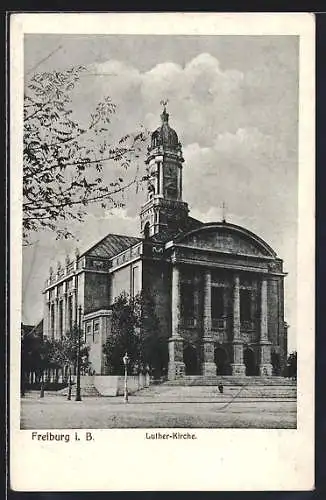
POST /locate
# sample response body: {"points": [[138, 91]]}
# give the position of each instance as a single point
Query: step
{"points": [[180, 393], [84, 391], [194, 380]]}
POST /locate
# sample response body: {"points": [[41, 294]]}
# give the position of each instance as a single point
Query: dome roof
{"points": [[165, 135]]}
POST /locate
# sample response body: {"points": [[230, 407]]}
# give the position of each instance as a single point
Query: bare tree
{"points": [[63, 160]]}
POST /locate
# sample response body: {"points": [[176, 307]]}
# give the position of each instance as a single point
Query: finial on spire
{"points": [[164, 115], [223, 212], [164, 103]]}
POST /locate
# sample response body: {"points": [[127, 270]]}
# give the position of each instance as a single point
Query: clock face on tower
{"points": [[170, 181]]}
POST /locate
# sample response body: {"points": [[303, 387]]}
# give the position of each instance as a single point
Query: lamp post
{"points": [[42, 385], [78, 396], [125, 362], [69, 384]]}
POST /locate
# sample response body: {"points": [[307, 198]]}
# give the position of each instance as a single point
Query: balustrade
{"points": [[189, 322], [218, 323]]}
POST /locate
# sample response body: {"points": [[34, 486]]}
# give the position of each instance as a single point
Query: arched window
{"points": [[146, 231]]}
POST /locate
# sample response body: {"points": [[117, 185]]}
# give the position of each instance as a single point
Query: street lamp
{"points": [[78, 396], [42, 385], [125, 362]]}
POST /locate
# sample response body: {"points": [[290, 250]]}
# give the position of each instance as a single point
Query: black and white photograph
{"points": [[160, 225]]}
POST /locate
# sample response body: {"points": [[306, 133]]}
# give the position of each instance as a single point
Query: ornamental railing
{"points": [[188, 322], [218, 323], [247, 325]]}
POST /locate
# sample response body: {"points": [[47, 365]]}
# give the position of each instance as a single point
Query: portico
{"points": [[223, 309]]}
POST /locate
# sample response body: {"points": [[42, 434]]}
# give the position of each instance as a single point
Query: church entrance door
{"points": [[275, 359], [221, 361], [249, 361], [190, 360]]}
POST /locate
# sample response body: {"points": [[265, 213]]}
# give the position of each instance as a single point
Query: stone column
{"points": [[209, 367], [196, 300], [265, 366], [282, 326], [207, 315], [225, 304], [236, 308], [176, 366], [253, 305], [238, 368]]}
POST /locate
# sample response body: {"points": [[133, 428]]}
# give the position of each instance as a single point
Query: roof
{"points": [[167, 235], [165, 135], [111, 245], [230, 228]]}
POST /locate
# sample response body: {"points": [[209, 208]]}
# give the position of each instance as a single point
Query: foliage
{"points": [[135, 330], [63, 159], [124, 336], [35, 353], [292, 365], [64, 350], [153, 347], [38, 355]]}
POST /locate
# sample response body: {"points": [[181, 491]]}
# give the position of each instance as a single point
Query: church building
{"points": [[218, 289]]}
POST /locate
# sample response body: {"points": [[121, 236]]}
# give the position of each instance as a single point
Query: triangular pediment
{"points": [[226, 238]]}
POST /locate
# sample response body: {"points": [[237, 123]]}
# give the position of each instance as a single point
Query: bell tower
{"points": [[164, 209]]}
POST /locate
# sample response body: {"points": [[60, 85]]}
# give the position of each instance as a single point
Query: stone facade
{"points": [[218, 289]]}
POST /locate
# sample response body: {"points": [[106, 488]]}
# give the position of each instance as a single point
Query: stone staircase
{"points": [[195, 388], [210, 393], [200, 380], [85, 391]]}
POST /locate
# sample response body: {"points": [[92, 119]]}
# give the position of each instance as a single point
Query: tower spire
{"points": [[164, 209]]}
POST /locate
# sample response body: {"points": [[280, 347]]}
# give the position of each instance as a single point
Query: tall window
{"points": [[70, 311], [135, 281], [52, 320], [245, 305], [61, 318], [96, 332], [89, 332]]}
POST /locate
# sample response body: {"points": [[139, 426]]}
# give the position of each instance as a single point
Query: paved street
{"points": [[222, 411]]}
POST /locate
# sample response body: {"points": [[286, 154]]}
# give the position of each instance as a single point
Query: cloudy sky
{"points": [[233, 101]]}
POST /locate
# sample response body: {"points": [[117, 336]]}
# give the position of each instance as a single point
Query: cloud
{"points": [[204, 99], [247, 171], [200, 95]]}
